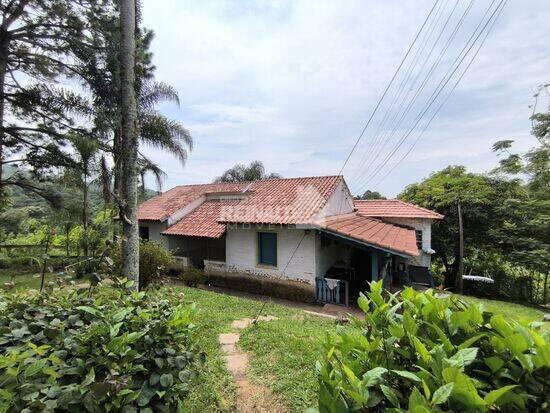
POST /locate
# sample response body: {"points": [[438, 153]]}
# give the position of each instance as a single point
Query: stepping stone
{"points": [[241, 324], [228, 338], [267, 318], [237, 364], [229, 348]]}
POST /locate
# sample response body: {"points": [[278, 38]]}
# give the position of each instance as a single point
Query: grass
{"points": [[514, 311], [22, 279], [282, 352]]}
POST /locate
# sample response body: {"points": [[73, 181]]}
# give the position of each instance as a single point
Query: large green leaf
{"points": [[441, 395], [390, 395], [492, 397], [408, 375]]}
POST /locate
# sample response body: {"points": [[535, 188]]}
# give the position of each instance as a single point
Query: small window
{"points": [[418, 233], [144, 233], [267, 248]]}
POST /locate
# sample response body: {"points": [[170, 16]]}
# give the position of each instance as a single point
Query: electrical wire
{"points": [[386, 90], [435, 94], [445, 100]]}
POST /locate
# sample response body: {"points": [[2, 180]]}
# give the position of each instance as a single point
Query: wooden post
{"points": [[374, 265], [460, 271]]}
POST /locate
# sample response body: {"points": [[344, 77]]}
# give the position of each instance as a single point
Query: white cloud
{"points": [[291, 83]]}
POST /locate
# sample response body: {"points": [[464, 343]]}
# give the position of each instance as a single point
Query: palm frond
{"points": [[145, 166], [154, 92], [166, 134]]}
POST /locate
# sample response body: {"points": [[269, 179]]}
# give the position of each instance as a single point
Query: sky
{"points": [[292, 83]]}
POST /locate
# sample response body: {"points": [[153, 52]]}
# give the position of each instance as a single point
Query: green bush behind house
{"points": [[118, 351], [421, 353]]}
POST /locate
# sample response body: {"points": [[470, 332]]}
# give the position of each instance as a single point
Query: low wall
{"points": [[181, 263], [212, 267], [257, 284]]}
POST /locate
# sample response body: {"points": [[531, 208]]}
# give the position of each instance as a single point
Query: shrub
{"points": [[154, 261], [427, 354], [119, 351], [192, 277]]}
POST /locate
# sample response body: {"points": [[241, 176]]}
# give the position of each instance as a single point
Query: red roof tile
{"points": [[393, 208], [162, 206], [372, 232], [283, 201], [273, 201], [202, 222]]}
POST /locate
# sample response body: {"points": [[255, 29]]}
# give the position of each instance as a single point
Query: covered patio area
{"points": [[355, 250]]}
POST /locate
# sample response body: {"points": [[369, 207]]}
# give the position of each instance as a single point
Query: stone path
{"points": [[250, 397]]}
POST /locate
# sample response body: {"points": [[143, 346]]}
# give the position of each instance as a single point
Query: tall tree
{"points": [[102, 75], [479, 197], [129, 140], [35, 115], [242, 173], [525, 233]]}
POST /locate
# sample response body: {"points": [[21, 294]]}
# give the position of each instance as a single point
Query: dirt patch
{"points": [[251, 397]]}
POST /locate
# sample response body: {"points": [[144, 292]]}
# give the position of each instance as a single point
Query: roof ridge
{"points": [[258, 180]]}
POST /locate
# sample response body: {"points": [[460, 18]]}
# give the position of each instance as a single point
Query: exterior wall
{"points": [[424, 259], [242, 252], [340, 202], [155, 229]]}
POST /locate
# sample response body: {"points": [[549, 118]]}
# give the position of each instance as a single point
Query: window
{"points": [[267, 248], [144, 233], [418, 233]]}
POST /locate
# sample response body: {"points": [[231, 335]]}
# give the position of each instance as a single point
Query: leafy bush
{"points": [[119, 351], [192, 277], [154, 260], [424, 353]]}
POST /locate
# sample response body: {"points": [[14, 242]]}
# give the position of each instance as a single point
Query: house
{"points": [[306, 238]]}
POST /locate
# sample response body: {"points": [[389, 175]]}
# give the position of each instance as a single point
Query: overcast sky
{"points": [[292, 83]]}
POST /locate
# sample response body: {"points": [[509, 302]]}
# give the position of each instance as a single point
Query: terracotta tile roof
{"points": [[202, 222], [162, 206], [393, 208], [372, 232], [283, 201], [274, 201]]}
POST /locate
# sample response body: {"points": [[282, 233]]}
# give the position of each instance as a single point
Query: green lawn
{"points": [[22, 280], [512, 310], [283, 352]]}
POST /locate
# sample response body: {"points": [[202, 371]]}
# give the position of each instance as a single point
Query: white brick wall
{"points": [[155, 228], [425, 225], [242, 252]]}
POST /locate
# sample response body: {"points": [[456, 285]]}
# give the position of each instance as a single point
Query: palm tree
{"points": [[129, 140], [240, 173]]}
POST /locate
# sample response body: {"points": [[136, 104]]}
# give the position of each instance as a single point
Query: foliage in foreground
{"points": [[425, 353], [117, 351]]}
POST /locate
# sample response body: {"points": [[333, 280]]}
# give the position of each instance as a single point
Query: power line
{"points": [[401, 88], [380, 134], [440, 87], [387, 88], [410, 105], [446, 98]]}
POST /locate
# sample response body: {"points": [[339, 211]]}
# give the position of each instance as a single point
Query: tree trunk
{"points": [[460, 270], [130, 235], [3, 67], [85, 214]]}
